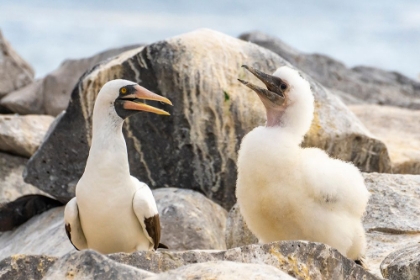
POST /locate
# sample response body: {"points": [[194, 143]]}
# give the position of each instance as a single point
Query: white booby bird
{"points": [[113, 211], [286, 192]]}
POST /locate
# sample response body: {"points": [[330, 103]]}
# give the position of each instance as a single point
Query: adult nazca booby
{"points": [[286, 192], [113, 211]]}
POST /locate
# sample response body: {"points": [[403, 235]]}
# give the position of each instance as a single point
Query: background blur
{"points": [[380, 33]]}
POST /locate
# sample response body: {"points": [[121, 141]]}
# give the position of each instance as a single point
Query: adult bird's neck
{"points": [[108, 151]]}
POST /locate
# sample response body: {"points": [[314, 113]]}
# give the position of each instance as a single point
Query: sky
{"points": [[384, 34]]}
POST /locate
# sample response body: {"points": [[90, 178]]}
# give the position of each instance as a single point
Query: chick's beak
{"points": [[133, 103], [274, 93]]}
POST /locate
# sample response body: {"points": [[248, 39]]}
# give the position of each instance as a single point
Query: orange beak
{"points": [[143, 93]]}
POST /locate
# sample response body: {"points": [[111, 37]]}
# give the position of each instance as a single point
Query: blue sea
{"points": [[380, 33]]}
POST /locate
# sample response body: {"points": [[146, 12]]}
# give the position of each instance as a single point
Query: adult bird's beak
{"points": [[132, 101], [274, 91]]}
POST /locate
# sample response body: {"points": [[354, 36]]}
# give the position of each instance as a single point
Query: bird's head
{"points": [[122, 98], [288, 98]]}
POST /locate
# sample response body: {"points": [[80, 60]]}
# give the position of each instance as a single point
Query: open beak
{"points": [[132, 101], [274, 92]]}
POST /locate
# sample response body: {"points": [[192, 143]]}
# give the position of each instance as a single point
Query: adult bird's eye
{"points": [[283, 86], [123, 90]]}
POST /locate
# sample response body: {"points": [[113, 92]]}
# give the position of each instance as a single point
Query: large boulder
{"points": [[14, 71], [24, 267], [399, 129], [224, 270], [189, 220], [51, 94], [12, 185], [42, 235], [369, 84], [195, 148], [22, 135], [403, 264], [89, 264], [391, 220]]}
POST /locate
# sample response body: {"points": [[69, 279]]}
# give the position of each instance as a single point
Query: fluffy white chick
{"points": [[286, 192]]}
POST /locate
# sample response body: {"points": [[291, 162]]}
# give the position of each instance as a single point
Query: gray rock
{"points": [[22, 135], [299, 259], [41, 235], [12, 185], [365, 83], [195, 148], [399, 129], [23, 267], [403, 264], [51, 95], [89, 264], [14, 71], [237, 232], [394, 205], [189, 220], [26, 100], [224, 270]]}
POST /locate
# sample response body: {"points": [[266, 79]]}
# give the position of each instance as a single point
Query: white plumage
{"points": [[286, 192], [113, 211]]}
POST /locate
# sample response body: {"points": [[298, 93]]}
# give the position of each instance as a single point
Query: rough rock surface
{"points": [[196, 147], [391, 221], [12, 185], [237, 232], [89, 264], [403, 264], [51, 95], [300, 259], [22, 135], [224, 271], [14, 71], [41, 235], [24, 267], [399, 129], [365, 83], [189, 220]]}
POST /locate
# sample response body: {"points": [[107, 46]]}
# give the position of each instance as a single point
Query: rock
{"points": [[403, 264], [22, 135], [195, 148], [23, 267], [237, 232], [300, 259], [41, 235], [26, 100], [189, 220], [51, 95], [14, 71], [12, 185], [89, 264], [398, 128], [224, 270], [365, 83]]}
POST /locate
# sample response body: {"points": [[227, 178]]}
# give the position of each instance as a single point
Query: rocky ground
{"points": [[364, 115]]}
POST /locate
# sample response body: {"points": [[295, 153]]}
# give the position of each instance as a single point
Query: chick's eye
{"points": [[123, 90], [283, 86]]}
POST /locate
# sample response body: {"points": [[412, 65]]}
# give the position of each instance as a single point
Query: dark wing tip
{"points": [[163, 246], [68, 232]]}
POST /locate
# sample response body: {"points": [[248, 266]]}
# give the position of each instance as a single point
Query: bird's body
{"points": [[112, 211], [286, 192]]}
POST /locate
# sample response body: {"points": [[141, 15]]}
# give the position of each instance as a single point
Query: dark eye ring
{"points": [[283, 86]]}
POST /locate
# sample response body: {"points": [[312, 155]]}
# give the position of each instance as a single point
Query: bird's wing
{"points": [[73, 227], [144, 207]]}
